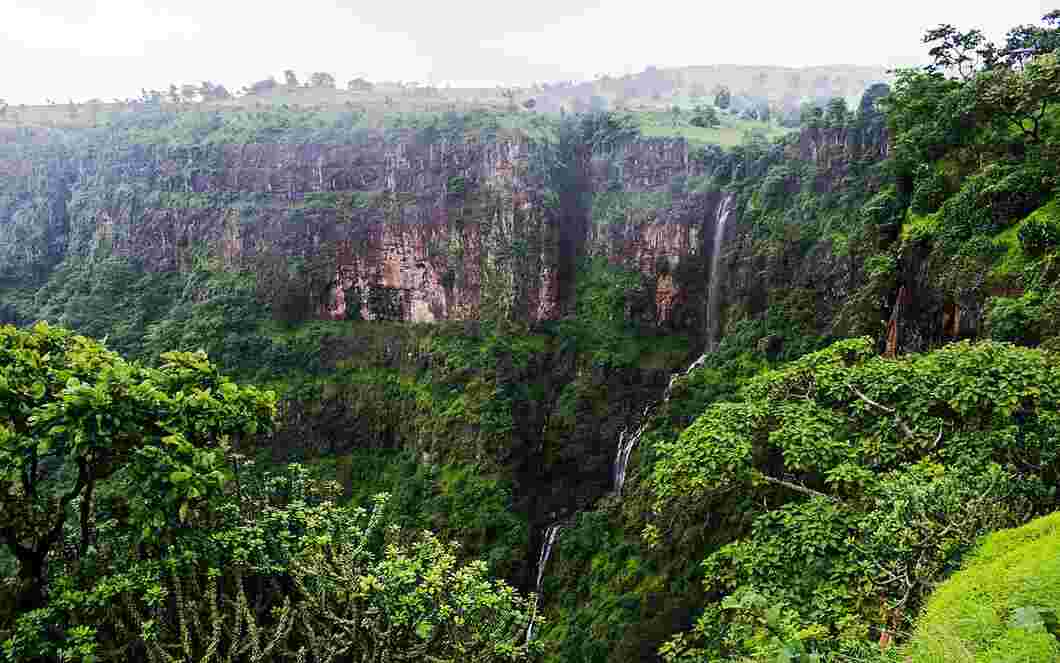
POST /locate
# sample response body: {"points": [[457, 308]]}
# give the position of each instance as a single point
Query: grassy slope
{"points": [[729, 134], [992, 610]]}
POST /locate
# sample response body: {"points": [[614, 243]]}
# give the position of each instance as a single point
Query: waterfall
{"points": [[542, 561], [714, 288], [626, 440]]}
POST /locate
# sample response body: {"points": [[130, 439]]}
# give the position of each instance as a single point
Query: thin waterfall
{"points": [[728, 204], [542, 561], [626, 440]]}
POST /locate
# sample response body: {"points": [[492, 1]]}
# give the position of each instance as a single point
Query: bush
{"points": [[930, 191], [1015, 319], [883, 209], [996, 197], [1038, 235]]}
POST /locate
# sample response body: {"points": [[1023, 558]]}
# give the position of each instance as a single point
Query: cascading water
{"points": [[728, 204], [627, 442], [542, 561]]}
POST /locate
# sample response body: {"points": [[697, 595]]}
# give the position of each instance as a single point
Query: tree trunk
{"points": [[31, 566]]}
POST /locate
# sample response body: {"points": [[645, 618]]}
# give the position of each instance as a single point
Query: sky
{"points": [[63, 50]]}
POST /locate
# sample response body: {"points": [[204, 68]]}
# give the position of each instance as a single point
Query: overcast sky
{"points": [[63, 49]]}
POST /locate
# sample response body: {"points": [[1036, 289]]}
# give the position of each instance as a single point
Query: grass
{"points": [[995, 609], [730, 134], [919, 227], [1014, 260], [381, 109]]}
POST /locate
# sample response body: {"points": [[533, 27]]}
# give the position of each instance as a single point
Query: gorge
{"points": [[682, 402]]}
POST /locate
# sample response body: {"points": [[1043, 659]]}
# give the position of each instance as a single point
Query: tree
{"points": [[1021, 98], [880, 472], [722, 97], [962, 52], [189, 93], [704, 116], [286, 574], [290, 79], [212, 92], [262, 86], [870, 100], [73, 414], [322, 79], [1027, 41], [836, 113], [675, 116], [359, 85]]}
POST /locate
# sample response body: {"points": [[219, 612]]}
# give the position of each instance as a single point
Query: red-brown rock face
{"points": [[408, 230]]}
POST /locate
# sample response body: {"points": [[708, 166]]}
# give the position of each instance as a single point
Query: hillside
{"points": [[440, 374]]}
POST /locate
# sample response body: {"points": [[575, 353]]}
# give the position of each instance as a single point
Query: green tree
{"points": [[879, 472], [322, 79], [722, 97], [1021, 97], [73, 414], [705, 116], [359, 85], [286, 574]]}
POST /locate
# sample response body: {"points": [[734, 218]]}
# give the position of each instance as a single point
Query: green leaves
{"points": [[75, 416], [864, 480]]}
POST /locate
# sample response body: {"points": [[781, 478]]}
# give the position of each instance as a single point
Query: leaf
{"points": [[179, 476], [423, 630], [1027, 617]]}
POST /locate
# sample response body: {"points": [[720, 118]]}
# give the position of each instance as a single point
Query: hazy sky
{"points": [[63, 49]]}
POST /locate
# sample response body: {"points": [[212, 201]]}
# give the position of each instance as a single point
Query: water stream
{"points": [[627, 441], [542, 562], [725, 210]]}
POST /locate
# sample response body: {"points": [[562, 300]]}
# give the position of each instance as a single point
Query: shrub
{"points": [[1015, 319], [1038, 235], [883, 209], [930, 191], [991, 200]]}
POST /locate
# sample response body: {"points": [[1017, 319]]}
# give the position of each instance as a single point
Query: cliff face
{"points": [[407, 230]]}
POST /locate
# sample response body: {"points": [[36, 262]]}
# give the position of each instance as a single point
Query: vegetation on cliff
{"points": [[883, 395]]}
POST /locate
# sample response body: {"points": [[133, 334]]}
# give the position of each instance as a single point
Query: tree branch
{"points": [[797, 487], [902, 426]]}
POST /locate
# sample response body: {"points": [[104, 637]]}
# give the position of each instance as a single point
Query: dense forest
{"points": [[322, 383]]}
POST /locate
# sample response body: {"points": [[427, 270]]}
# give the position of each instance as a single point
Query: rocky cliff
{"points": [[412, 227]]}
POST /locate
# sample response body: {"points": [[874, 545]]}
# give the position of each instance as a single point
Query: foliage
{"points": [[991, 200], [930, 191], [73, 415], [1038, 235], [904, 463], [1002, 605], [705, 117], [288, 574]]}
